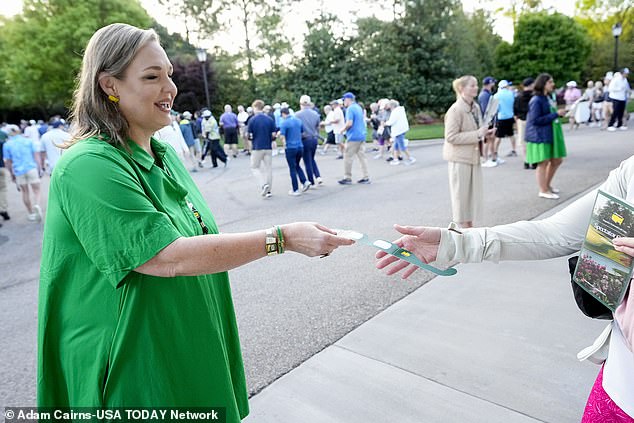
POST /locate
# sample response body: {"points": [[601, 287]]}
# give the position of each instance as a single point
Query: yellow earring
{"points": [[113, 98]]}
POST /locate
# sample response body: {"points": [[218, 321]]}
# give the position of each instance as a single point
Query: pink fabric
{"points": [[600, 407]]}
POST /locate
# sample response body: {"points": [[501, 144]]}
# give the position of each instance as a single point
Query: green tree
{"points": [[544, 42], [323, 72], [473, 42], [42, 51], [424, 43], [273, 42], [598, 17]]}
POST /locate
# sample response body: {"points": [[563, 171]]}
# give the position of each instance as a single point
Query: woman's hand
{"points": [[420, 240], [624, 245], [485, 131], [312, 239]]}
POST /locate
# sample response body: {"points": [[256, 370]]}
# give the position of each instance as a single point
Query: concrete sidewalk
{"points": [[495, 343]]}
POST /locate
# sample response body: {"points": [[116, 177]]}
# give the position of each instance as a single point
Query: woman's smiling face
{"points": [[146, 92]]}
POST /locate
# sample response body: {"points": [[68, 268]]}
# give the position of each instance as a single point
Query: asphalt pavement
{"points": [[289, 308]]}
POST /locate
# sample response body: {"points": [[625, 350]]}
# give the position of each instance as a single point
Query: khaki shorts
{"points": [[30, 177]]}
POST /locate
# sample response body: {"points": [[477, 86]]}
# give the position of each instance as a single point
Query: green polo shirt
{"points": [[107, 335]]}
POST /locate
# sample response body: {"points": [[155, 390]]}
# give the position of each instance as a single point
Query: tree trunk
{"points": [[247, 41]]}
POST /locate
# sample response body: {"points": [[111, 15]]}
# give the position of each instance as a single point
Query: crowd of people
{"points": [[261, 128], [264, 131], [125, 216], [477, 124], [27, 152]]}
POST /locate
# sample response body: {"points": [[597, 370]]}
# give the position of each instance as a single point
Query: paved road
{"points": [[290, 307]]}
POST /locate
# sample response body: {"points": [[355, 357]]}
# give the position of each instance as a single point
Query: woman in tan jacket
{"points": [[464, 130]]}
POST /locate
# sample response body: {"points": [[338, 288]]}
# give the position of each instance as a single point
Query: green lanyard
{"points": [[394, 250]]}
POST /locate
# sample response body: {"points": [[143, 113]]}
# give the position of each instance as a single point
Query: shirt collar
{"points": [[142, 157]]}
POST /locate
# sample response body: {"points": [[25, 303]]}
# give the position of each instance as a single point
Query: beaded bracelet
{"points": [[281, 245]]}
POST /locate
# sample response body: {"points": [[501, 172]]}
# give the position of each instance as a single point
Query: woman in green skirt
{"points": [[544, 136]]}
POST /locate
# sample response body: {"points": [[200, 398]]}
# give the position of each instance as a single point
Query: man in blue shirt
{"points": [[4, 205], [488, 83], [355, 131], [291, 129], [505, 118], [21, 158], [261, 129]]}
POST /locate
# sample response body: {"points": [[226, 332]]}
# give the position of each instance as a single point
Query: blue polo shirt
{"points": [[20, 151], [187, 129], [262, 128], [357, 132], [291, 128], [506, 99]]}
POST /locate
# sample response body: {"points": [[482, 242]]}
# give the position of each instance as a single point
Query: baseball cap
{"points": [[187, 114], [276, 106], [207, 113], [528, 81], [11, 129], [503, 83], [305, 99], [571, 84], [285, 111], [625, 71], [348, 95], [488, 80], [57, 123]]}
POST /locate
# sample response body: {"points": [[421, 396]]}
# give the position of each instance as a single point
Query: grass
{"points": [[416, 132]]}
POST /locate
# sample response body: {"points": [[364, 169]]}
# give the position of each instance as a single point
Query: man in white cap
{"points": [[338, 123], [53, 138], [211, 135], [505, 99], [21, 158]]}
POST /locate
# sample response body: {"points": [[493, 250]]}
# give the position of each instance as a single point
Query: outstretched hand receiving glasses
{"points": [[420, 240]]}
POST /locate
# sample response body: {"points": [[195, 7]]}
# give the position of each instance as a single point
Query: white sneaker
{"points": [[268, 195], [377, 156], [500, 161], [395, 162], [306, 185], [294, 193], [549, 195], [612, 128], [623, 128], [489, 163], [265, 189], [319, 181], [38, 213], [554, 190], [412, 160], [32, 217]]}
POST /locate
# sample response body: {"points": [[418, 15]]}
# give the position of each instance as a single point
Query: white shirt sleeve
{"points": [[559, 235]]}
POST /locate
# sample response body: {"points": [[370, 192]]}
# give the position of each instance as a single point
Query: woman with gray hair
{"points": [[464, 134], [135, 305]]}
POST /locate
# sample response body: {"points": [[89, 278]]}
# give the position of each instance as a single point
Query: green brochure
{"points": [[394, 250], [601, 270]]}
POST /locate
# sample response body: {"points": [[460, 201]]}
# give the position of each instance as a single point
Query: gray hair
{"points": [[111, 49]]}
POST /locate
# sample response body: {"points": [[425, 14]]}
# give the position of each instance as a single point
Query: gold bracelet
{"points": [[271, 247]]}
